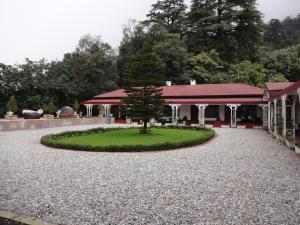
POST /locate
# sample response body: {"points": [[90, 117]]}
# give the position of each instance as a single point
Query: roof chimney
{"points": [[193, 82], [169, 83]]}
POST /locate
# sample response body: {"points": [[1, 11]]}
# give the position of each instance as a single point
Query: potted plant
{"points": [[12, 106], [76, 108], [50, 109]]}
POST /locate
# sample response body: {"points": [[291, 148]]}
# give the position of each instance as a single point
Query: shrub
{"points": [[12, 104], [52, 140], [76, 105], [50, 108]]}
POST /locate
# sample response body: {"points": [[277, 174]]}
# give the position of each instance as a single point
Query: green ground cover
{"points": [[129, 139]]}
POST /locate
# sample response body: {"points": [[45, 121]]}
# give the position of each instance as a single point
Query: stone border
{"points": [[22, 218], [31, 124]]}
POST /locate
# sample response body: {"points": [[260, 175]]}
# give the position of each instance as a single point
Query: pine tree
{"points": [[169, 13], [12, 104], [232, 27], [142, 81], [50, 108]]}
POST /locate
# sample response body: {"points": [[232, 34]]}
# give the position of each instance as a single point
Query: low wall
{"points": [[30, 124]]}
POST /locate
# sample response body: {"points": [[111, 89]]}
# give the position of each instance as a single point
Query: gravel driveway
{"points": [[243, 176]]}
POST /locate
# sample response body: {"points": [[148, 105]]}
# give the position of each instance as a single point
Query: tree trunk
{"points": [[145, 126]]}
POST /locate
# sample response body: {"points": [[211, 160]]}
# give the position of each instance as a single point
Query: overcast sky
{"points": [[49, 28]]}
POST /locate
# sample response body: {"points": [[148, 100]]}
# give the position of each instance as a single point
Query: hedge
{"points": [[52, 140]]}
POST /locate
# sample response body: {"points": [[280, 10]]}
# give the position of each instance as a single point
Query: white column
{"points": [[293, 111], [201, 114], [91, 110], [107, 110], [233, 108], [88, 110], [275, 116], [175, 112], [283, 112], [265, 116], [269, 116]]}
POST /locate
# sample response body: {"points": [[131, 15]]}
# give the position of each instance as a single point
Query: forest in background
{"points": [[215, 41]]}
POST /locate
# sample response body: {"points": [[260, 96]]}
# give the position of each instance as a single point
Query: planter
{"points": [[10, 117], [10, 113], [297, 150], [290, 144], [49, 116]]}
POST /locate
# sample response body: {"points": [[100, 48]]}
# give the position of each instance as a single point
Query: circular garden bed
{"points": [[129, 139]]}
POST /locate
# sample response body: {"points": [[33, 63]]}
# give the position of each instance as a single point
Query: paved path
{"points": [[241, 177]]}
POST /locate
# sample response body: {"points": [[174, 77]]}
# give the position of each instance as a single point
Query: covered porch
{"points": [[284, 115], [229, 115]]}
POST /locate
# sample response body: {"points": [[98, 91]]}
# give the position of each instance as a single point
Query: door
{"points": [[194, 113]]}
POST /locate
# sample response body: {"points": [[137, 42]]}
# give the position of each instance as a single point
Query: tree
{"points": [[204, 67], [281, 34], [91, 69], [142, 81], [50, 107], [278, 77], [12, 105], [233, 28], [248, 73], [169, 47], [76, 105], [285, 61], [169, 13]]}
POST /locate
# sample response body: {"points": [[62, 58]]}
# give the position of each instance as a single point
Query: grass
{"points": [[132, 137], [128, 139]]}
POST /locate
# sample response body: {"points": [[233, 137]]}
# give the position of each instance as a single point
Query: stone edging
{"points": [[22, 218]]}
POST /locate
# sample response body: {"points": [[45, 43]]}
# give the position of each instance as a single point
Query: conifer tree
{"points": [[142, 81], [169, 13], [232, 27]]}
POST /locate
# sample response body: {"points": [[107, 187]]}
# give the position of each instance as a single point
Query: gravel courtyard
{"points": [[243, 176]]}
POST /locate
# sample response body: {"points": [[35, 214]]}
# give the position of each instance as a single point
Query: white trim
{"points": [[201, 114], [175, 112], [265, 116], [89, 108], [107, 110], [233, 108], [283, 113], [275, 116]]}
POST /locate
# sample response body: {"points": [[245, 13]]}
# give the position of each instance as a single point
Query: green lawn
{"points": [[123, 137]]}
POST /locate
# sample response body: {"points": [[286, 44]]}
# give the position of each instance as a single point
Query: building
{"points": [[276, 107]]}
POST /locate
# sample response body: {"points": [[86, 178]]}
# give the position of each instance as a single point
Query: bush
{"points": [[50, 108], [76, 105], [52, 140], [12, 104]]}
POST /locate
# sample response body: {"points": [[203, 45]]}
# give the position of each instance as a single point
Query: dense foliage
{"points": [[57, 140], [212, 41]]}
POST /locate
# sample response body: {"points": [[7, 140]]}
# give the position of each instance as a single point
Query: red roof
{"points": [[293, 86], [212, 101], [216, 101], [277, 86], [203, 93], [236, 89]]}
